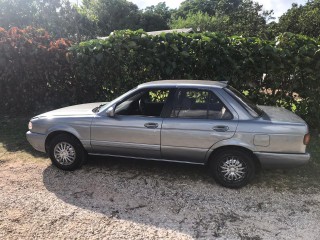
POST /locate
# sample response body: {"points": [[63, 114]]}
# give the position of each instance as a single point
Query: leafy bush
{"points": [[34, 72], [38, 74], [284, 72]]}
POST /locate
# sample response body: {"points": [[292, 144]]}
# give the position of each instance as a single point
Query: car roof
{"points": [[177, 83]]}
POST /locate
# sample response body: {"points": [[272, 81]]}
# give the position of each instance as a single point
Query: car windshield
{"points": [[245, 102]]}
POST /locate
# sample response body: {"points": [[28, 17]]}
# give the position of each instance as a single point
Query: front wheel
{"points": [[66, 152], [232, 168]]}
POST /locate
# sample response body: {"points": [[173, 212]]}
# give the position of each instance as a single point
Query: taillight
{"points": [[306, 139]]}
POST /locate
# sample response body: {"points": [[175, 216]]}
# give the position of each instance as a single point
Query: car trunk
{"points": [[278, 114]]}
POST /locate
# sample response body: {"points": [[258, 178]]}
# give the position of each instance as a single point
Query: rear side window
{"points": [[198, 104], [249, 106]]}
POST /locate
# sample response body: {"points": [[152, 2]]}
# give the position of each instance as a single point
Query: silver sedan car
{"points": [[186, 121]]}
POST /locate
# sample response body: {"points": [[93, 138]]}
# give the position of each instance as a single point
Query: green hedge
{"points": [[284, 72], [34, 72]]}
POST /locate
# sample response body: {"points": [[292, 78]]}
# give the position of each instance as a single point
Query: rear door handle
{"points": [[220, 128], [151, 125]]}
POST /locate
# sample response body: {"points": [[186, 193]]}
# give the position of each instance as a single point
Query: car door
{"points": [[198, 120], [135, 128]]}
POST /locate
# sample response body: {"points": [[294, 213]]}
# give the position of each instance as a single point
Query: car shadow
{"points": [[179, 197], [161, 194]]}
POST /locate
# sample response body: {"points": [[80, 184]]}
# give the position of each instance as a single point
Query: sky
{"points": [[279, 6]]}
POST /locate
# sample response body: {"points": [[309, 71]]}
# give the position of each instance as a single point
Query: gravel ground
{"points": [[134, 199]]}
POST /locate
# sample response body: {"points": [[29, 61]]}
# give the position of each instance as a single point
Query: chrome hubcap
{"points": [[232, 169], [64, 153]]}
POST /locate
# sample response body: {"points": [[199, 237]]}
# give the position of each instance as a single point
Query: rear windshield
{"points": [[250, 107]]}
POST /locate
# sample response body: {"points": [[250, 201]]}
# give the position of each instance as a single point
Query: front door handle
{"points": [[151, 125], [220, 128]]}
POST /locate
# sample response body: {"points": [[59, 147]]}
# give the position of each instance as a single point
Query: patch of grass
{"points": [[13, 139], [13, 133]]}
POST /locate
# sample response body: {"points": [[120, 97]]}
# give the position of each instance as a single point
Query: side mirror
{"points": [[110, 112]]}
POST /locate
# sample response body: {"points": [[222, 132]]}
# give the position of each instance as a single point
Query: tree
{"points": [[112, 15], [201, 22], [247, 19], [77, 26], [232, 17], [156, 17], [21, 13], [301, 19], [194, 6], [58, 17]]}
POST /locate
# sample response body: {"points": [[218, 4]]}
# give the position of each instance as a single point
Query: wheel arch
{"points": [[215, 151], [55, 133]]}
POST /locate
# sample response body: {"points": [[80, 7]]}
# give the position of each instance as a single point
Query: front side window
{"points": [[199, 104], [144, 103]]}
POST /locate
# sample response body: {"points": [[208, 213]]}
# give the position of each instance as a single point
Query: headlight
{"points": [[30, 125]]}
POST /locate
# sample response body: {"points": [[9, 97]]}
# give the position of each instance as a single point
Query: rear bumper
{"points": [[282, 160], [37, 141]]}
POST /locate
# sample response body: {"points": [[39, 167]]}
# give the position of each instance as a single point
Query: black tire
{"points": [[232, 168], [74, 149]]}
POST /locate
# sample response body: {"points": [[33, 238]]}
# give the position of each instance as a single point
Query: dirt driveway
{"points": [[129, 199], [111, 198]]}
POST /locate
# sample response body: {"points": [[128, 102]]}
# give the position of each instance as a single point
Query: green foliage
{"points": [[198, 96], [301, 19], [236, 17], [155, 18], [159, 96], [283, 72], [58, 17], [21, 13], [37, 73], [200, 22], [111, 15], [193, 6]]}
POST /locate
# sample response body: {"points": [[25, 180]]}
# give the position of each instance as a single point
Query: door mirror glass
{"points": [[110, 112]]}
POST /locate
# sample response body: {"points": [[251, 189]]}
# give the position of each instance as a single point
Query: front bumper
{"points": [[282, 160], [37, 141]]}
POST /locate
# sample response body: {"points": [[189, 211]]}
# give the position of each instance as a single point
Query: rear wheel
{"points": [[66, 152], [232, 168]]}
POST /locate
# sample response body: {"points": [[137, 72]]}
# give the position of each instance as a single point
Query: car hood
{"points": [[278, 114], [75, 110]]}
